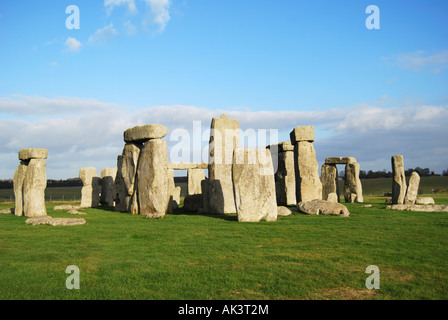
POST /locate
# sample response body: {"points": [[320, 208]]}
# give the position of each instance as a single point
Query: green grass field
{"points": [[191, 256]]}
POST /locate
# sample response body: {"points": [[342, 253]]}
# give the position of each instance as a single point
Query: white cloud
{"points": [[83, 132], [420, 60], [102, 35], [72, 44], [160, 14], [129, 28], [111, 4]]}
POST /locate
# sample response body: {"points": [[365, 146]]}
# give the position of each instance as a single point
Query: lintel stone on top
{"points": [[340, 160]]}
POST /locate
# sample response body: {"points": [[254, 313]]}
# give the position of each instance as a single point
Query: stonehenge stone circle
{"points": [[285, 177], [107, 186], [131, 155], [30, 182], [283, 211], [90, 192], [308, 184], [399, 180], [253, 178], [224, 139], [419, 208], [412, 191]]}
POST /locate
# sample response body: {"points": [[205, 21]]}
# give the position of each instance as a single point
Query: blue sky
{"points": [[271, 64]]}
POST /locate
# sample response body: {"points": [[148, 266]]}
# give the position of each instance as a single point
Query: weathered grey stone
{"points": [[283, 211], [316, 207], [33, 153], [172, 191], [187, 165], [352, 185], [308, 184], [34, 185], [193, 202], [90, 192], [7, 211], [285, 177], [131, 156], [281, 147], [253, 179], [329, 177], [340, 160], [107, 186], [424, 200], [195, 176], [419, 208], [120, 189], [158, 215], [399, 180], [174, 200], [66, 207], [55, 221], [333, 197], [412, 191], [205, 185], [224, 139], [302, 134], [19, 177], [144, 133], [153, 189]]}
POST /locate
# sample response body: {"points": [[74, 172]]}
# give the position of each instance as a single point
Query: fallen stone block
{"points": [[322, 207]]}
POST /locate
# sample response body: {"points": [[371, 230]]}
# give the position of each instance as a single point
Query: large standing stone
{"points": [[353, 187], [19, 177], [285, 177], [140, 134], [308, 184], [33, 153], [90, 192], [34, 186], [195, 176], [107, 186], [329, 176], [399, 180], [253, 178], [131, 155], [153, 189], [224, 139], [119, 188], [412, 191]]}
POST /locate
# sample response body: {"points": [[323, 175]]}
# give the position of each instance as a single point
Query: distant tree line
{"points": [[72, 182]]}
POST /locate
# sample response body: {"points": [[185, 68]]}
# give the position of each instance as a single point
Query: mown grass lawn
{"points": [[190, 256]]}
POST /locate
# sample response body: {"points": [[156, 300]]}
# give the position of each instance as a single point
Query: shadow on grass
{"points": [[180, 211]]}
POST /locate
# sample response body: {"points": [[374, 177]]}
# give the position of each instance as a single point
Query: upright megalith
{"points": [[144, 184], [352, 186], [224, 139], [195, 177], [90, 192], [153, 189], [412, 191], [107, 186], [285, 177], [131, 155], [308, 184], [399, 180], [120, 191], [254, 183], [329, 177], [30, 182]]}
